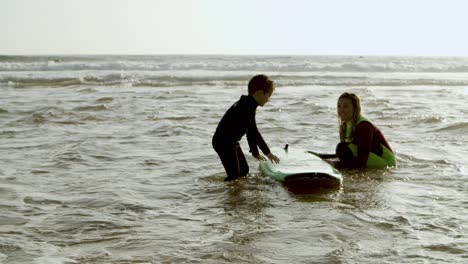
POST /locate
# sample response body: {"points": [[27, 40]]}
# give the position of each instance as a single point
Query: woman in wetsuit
{"points": [[362, 144]]}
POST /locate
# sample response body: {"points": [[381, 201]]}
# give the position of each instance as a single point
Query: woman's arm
{"points": [[363, 137], [323, 156]]}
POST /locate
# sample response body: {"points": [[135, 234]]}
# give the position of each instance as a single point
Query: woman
{"points": [[362, 144]]}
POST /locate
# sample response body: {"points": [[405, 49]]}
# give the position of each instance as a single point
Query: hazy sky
{"points": [[315, 27]]}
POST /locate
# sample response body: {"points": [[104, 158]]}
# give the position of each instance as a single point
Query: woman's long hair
{"points": [[356, 102]]}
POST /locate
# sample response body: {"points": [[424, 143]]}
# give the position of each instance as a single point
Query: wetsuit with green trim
{"points": [[238, 120], [368, 146]]}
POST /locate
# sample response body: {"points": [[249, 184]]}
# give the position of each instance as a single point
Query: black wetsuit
{"points": [[238, 120]]}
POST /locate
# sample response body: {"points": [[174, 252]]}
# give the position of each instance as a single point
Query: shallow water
{"points": [[121, 170]]}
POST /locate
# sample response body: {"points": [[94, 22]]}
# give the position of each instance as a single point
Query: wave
{"points": [[458, 127], [234, 63], [208, 79], [167, 71], [99, 107]]}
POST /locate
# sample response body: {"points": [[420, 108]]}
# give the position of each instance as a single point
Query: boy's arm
{"points": [[254, 138]]}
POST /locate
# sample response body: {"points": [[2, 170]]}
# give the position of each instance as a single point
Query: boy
{"points": [[239, 120]]}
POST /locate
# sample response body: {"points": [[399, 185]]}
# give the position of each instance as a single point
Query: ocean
{"points": [[108, 159]]}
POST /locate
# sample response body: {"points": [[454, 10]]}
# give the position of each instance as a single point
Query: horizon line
{"points": [[225, 54]]}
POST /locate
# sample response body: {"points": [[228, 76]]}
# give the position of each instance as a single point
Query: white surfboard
{"points": [[298, 168]]}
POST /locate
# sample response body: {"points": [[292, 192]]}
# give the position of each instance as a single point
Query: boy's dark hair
{"points": [[261, 82]]}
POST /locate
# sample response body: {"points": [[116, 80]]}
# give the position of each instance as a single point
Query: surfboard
{"points": [[301, 170]]}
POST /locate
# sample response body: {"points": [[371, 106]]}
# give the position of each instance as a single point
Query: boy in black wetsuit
{"points": [[239, 120]]}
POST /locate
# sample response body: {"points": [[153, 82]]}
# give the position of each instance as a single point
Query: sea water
{"points": [[108, 159]]}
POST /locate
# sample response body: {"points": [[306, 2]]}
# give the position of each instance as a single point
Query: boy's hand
{"points": [[259, 157], [273, 158]]}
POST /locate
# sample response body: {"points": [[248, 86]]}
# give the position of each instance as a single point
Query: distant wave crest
{"points": [[234, 63], [171, 80], [168, 71]]}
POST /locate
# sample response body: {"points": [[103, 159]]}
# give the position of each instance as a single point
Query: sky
{"points": [[238, 27]]}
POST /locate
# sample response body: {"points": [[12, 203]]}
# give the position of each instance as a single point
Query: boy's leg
{"points": [[243, 165], [228, 156], [234, 162]]}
